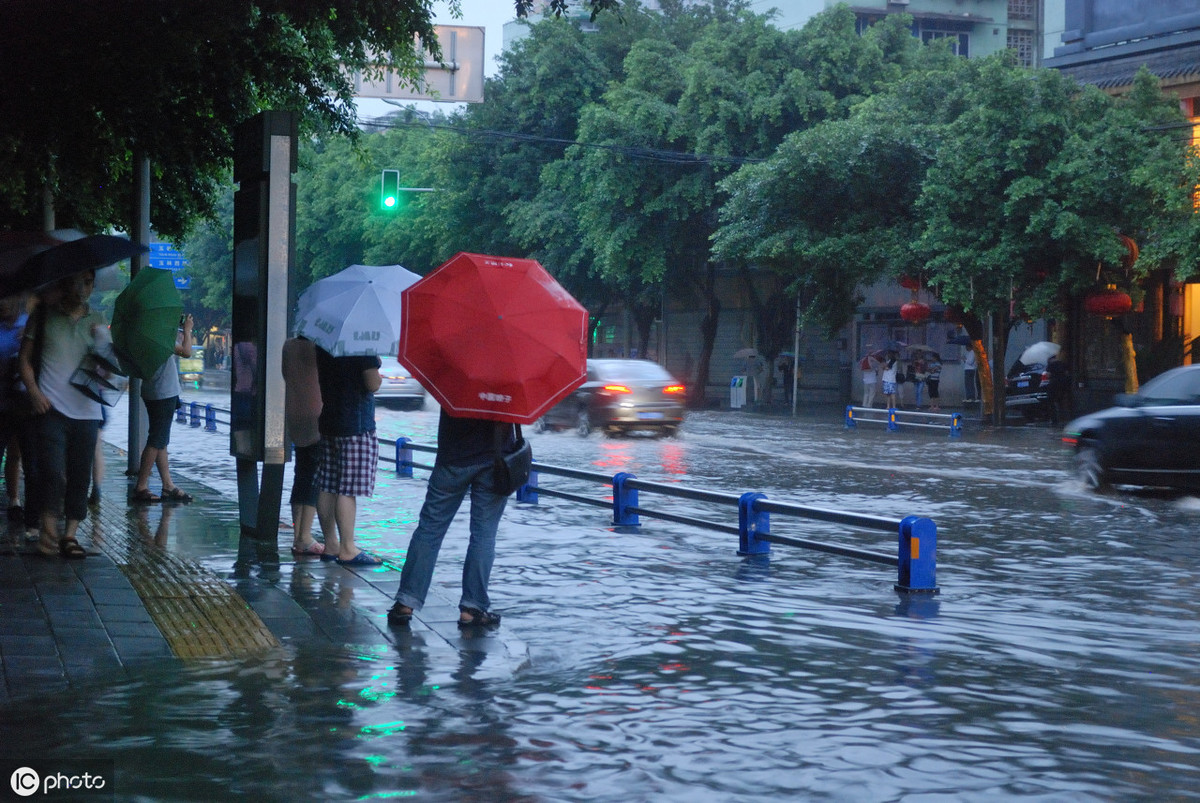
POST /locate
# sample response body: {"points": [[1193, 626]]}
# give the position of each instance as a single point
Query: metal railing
{"points": [[915, 558], [897, 419]]}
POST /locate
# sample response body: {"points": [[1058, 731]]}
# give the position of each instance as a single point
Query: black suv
{"points": [[1151, 437], [1027, 391]]}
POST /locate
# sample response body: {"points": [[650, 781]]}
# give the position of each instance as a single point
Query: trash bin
{"points": [[737, 393]]}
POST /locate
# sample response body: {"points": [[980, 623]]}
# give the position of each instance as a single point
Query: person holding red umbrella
{"points": [[466, 451]]}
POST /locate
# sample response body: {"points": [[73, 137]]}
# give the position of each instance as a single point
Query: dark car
{"points": [[1151, 437], [1027, 391], [620, 396]]}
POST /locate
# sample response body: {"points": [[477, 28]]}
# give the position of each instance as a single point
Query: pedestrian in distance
{"points": [[301, 414], [934, 381], [160, 394], [870, 379], [59, 335], [349, 451], [466, 450], [970, 379], [890, 371], [918, 371]]}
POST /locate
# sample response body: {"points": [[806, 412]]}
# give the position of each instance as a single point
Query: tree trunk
{"points": [[708, 337], [1129, 359]]}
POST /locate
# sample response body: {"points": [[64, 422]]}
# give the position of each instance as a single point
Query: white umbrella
{"points": [[1040, 352], [355, 312]]}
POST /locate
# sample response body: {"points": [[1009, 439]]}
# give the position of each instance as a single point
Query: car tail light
{"points": [[617, 389], [673, 389], [1045, 378]]}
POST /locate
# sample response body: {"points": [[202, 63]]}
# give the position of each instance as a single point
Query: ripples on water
{"points": [[1058, 663]]}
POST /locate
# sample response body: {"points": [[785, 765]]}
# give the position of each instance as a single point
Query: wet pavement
{"points": [[1058, 663]]}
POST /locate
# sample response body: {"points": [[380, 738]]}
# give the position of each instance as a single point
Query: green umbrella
{"points": [[145, 322]]}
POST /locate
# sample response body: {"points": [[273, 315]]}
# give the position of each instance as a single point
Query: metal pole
{"points": [[140, 233], [796, 357]]}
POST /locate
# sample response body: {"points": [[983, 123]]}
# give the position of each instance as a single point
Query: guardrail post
{"points": [[403, 458], [528, 492], [751, 523], [892, 425], [956, 425], [918, 555], [210, 418], [850, 422], [181, 413], [623, 499], [195, 414]]}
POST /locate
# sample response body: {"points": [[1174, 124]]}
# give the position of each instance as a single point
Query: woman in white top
{"points": [[60, 333], [161, 396]]}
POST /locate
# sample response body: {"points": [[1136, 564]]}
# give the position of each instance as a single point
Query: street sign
{"points": [[460, 81], [164, 257]]}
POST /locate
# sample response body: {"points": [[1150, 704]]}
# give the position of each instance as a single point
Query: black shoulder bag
{"points": [[510, 470]]}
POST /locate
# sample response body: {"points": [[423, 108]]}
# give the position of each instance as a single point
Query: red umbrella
{"points": [[493, 337]]}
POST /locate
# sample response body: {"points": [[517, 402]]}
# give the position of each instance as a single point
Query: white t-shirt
{"points": [[165, 382], [67, 342]]}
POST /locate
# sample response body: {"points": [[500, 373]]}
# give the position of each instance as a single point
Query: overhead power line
{"points": [[649, 154]]}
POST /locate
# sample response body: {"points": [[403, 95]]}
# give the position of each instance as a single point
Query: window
{"points": [[1022, 10], [1022, 42], [959, 42]]}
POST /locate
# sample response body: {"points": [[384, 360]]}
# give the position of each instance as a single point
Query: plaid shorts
{"points": [[348, 465]]}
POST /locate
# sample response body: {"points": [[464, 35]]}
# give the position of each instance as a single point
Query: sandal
{"points": [[400, 615], [70, 549], [144, 497], [176, 495], [478, 618], [313, 548], [47, 545]]}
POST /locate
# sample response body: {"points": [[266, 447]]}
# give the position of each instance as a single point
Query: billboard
{"points": [[460, 80]]}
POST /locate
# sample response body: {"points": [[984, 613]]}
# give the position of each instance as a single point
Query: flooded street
{"points": [[1059, 662]]}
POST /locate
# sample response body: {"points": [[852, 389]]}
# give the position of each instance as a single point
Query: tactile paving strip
{"points": [[199, 614]]}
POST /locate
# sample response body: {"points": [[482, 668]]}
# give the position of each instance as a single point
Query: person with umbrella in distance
{"points": [[349, 450], [160, 394], [59, 334]]}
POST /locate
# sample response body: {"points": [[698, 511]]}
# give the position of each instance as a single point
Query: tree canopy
{"points": [[89, 86]]}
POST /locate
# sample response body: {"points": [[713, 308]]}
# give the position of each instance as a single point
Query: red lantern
{"points": [[909, 283], [914, 312], [1107, 302]]}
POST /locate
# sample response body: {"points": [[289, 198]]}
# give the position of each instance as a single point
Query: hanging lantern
{"points": [[909, 283], [914, 312], [1107, 302]]}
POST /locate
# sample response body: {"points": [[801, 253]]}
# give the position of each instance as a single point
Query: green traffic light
{"points": [[389, 190]]}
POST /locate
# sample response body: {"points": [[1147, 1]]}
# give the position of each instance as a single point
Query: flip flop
{"points": [[361, 559]]}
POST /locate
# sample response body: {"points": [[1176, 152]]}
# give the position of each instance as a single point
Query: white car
{"points": [[399, 389]]}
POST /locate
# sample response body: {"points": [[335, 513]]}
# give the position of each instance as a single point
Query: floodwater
{"points": [[1060, 661]]}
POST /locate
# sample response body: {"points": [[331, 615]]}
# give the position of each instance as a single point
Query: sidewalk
{"points": [[134, 601]]}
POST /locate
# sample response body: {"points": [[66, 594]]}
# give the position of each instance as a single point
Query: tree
{"points": [[171, 81]]}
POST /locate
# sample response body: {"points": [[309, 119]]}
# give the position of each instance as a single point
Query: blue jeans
{"points": [[64, 468], [447, 487]]}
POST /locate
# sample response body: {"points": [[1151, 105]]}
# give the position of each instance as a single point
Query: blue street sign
{"points": [[164, 257], [183, 282]]}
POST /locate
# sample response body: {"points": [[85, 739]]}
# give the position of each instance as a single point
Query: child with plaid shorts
{"points": [[349, 451]]}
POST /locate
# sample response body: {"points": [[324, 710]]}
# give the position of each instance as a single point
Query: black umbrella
{"points": [[67, 258]]}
